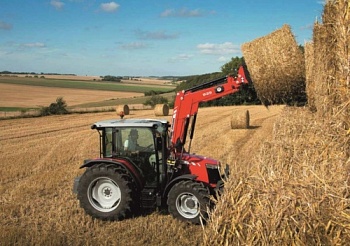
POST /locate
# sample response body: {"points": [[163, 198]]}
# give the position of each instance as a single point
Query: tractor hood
{"points": [[195, 159], [205, 169]]}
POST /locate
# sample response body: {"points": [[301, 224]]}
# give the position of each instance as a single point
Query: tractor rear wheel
{"points": [[189, 201], [104, 193]]}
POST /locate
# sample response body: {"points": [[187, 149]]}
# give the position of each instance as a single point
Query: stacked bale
{"points": [[331, 66], [324, 45], [240, 119], [122, 108], [161, 110], [277, 67], [292, 192], [343, 57], [309, 76]]}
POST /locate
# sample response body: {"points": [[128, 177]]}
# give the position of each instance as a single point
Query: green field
{"points": [[88, 85], [12, 109]]}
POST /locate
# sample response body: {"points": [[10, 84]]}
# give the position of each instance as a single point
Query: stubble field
{"points": [[36, 96], [41, 156]]}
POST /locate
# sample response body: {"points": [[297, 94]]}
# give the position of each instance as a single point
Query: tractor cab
{"points": [[141, 142]]}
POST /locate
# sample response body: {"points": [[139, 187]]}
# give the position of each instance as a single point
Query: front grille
{"points": [[213, 175]]}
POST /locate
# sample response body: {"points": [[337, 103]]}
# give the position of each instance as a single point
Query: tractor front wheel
{"points": [[104, 193], [189, 201]]}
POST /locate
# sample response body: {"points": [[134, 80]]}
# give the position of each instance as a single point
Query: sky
{"points": [[141, 37]]}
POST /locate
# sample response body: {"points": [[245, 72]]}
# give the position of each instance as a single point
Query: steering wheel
{"points": [[149, 147]]}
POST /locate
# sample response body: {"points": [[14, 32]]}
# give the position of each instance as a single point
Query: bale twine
{"points": [[277, 67], [240, 119], [122, 108], [161, 110]]}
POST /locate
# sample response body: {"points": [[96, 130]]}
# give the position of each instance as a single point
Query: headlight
{"points": [[212, 166]]}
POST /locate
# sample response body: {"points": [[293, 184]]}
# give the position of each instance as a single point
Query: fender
{"points": [[125, 163], [176, 180]]}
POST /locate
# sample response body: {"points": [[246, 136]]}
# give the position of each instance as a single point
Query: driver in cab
{"points": [[131, 144]]}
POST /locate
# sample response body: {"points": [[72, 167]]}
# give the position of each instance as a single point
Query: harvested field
{"points": [[34, 96], [150, 81], [36, 184]]}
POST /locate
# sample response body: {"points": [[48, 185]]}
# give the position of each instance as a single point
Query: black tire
{"points": [[189, 201], [104, 192]]}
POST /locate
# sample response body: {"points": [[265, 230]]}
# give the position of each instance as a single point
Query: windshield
{"points": [[136, 139], [121, 141]]}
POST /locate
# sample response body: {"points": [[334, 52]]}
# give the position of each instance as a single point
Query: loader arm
{"points": [[187, 103]]}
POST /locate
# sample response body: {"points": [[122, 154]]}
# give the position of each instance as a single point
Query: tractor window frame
{"points": [[108, 142]]}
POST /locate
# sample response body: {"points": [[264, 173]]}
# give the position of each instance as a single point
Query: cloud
{"points": [[109, 7], [218, 49], [167, 12], [57, 4], [323, 2], [181, 57], [182, 13], [157, 35], [223, 59], [5, 26], [34, 45], [133, 46]]}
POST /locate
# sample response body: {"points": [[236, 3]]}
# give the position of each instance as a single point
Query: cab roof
{"points": [[128, 123]]}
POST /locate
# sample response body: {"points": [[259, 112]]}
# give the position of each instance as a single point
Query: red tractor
{"points": [[143, 163]]}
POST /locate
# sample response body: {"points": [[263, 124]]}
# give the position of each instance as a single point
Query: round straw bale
{"points": [[240, 119], [161, 110], [277, 67], [124, 108]]}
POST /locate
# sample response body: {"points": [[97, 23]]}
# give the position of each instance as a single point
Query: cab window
{"points": [[137, 139], [108, 140]]}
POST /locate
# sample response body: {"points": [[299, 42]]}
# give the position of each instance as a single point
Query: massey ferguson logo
{"points": [[173, 120], [207, 93], [174, 113]]}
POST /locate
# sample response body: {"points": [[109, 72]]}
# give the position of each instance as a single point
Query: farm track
{"points": [[41, 157]]}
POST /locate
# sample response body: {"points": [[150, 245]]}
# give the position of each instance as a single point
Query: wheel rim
{"points": [[104, 194], [187, 205]]}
